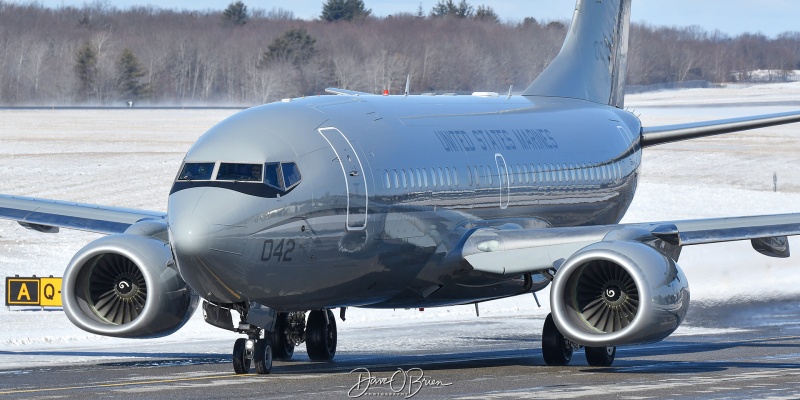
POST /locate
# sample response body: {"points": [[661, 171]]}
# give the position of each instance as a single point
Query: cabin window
{"points": [[489, 175], [455, 176], [396, 179], [525, 174], [411, 178], [196, 172], [477, 176], [239, 172], [441, 177], [403, 178], [387, 183], [449, 178]]}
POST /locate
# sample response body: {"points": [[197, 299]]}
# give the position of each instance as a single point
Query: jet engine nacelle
{"points": [[123, 286], [618, 293]]}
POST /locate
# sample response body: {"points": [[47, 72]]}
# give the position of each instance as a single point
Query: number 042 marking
{"points": [[279, 251]]}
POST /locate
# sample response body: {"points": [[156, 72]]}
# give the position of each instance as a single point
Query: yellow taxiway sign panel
{"points": [[50, 292], [45, 292]]}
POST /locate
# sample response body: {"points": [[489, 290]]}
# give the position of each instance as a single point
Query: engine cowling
{"points": [[121, 286], [618, 293]]}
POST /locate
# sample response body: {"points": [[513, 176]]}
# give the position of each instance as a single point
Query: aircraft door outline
{"points": [[354, 176], [505, 183]]}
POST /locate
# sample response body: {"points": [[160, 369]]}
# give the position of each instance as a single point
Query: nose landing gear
{"points": [[250, 351]]}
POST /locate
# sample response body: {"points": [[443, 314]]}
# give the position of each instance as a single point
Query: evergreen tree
{"points": [[129, 74], [449, 8], [86, 70], [345, 10], [487, 14], [235, 14], [295, 47]]}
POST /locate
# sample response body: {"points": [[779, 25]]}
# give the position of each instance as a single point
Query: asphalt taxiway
{"points": [[749, 351]]}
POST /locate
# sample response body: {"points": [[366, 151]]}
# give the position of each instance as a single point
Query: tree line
{"points": [[98, 54]]}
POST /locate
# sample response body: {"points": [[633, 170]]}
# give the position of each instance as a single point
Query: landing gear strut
{"points": [[557, 350], [321, 335]]}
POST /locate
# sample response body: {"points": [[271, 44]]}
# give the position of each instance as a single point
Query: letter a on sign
{"points": [[23, 291]]}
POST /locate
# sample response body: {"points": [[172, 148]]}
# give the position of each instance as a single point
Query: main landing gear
{"points": [[321, 335], [290, 329], [557, 350]]}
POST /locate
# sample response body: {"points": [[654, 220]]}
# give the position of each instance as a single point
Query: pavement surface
{"points": [[752, 351]]}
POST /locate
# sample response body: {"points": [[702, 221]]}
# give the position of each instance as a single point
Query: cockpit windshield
{"points": [[275, 178], [196, 172], [239, 172]]}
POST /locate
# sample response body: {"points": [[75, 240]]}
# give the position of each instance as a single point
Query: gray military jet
{"points": [[285, 211]]}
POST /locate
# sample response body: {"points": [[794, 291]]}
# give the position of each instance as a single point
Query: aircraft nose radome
{"points": [[189, 236], [188, 231]]}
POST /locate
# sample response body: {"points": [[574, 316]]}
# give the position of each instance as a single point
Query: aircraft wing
{"points": [[652, 136], [515, 251], [49, 215]]}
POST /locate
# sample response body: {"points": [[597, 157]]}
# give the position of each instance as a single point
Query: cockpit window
{"points": [[291, 175], [196, 172], [239, 172], [281, 176], [272, 175]]}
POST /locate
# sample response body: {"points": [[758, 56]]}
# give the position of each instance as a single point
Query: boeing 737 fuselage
{"points": [[387, 188]]}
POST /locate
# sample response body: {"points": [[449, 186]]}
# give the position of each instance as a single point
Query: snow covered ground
{"points": [[129, 158]]}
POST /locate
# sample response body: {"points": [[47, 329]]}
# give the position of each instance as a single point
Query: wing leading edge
{"points": [[656, 135], [47, 216], [516, 251]]}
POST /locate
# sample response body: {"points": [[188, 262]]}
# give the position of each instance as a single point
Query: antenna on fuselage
{"points": [[408, 84]]}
